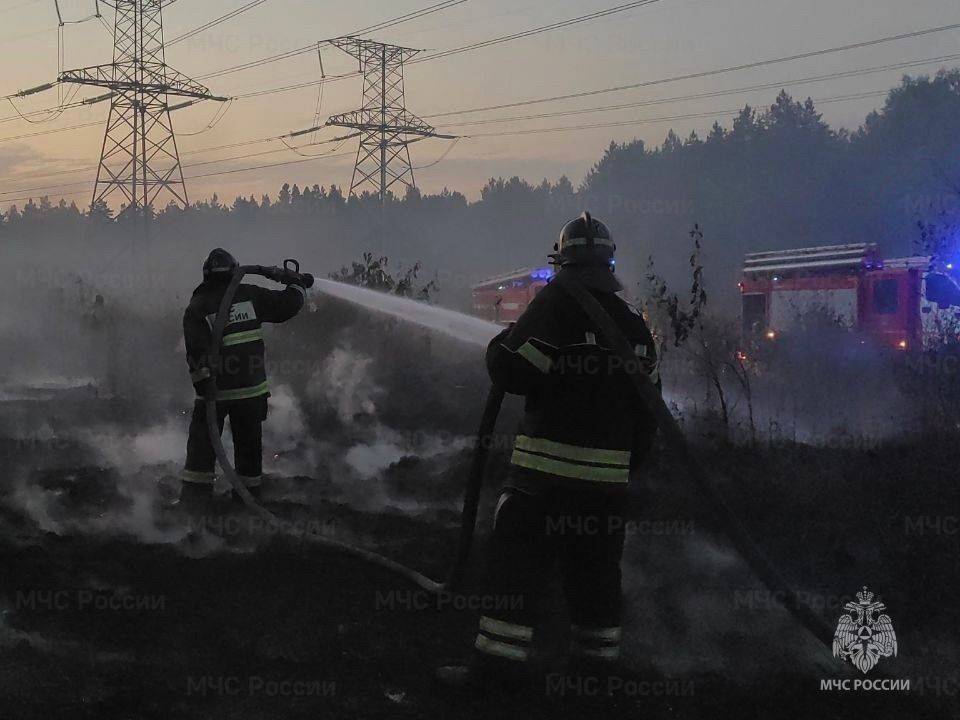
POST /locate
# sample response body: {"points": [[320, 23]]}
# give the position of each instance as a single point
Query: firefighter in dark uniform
{"points": [[583, 435], [240, 380]]}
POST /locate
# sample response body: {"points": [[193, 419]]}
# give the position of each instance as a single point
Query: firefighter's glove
{"points": [[301, 281], [289, 277]]}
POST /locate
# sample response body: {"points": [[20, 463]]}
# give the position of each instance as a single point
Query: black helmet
{"points": [[585, 242], [587, 249], [219, 261]]}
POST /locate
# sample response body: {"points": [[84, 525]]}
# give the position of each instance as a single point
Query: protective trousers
{"points": [[246, 426], [583, 530]]}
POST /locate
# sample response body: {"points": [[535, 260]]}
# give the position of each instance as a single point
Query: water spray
{"points": [[291, 271]]}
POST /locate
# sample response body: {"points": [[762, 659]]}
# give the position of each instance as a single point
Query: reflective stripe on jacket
{"points": [[583, 420], [241, 371], [571, 461]]}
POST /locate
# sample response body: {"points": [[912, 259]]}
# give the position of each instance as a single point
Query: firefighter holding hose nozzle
{"points": [[238, 383], [583, 436]]}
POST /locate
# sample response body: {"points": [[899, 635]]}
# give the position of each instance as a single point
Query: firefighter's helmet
{"points": [[585, 242], [219, 262]]}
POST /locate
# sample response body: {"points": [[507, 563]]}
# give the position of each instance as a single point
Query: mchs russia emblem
{"points": [[863, 636]]}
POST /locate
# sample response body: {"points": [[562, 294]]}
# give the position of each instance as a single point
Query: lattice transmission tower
{"points": [[139, 159], [387, 128]]}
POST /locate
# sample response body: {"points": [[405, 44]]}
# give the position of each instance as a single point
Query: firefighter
{"points": [[239, 383], [583, 435]]}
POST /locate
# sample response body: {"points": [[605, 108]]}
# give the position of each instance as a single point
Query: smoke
{"points": [[131, 452], [389, 447], [286, 426], [369, 460], [119, 484], [361, 450], [345, 383], [818, 384], [131, 507]]}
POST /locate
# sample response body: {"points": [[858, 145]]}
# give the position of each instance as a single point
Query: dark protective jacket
{"points": [[583, 420], [241, 371]]}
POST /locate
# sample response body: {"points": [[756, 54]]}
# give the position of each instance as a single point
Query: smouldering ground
{"points": [[211, 616]]}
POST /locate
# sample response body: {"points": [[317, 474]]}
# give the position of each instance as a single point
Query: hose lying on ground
{"points": [[471, 496]]}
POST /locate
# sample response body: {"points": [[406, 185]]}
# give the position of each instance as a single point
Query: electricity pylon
{"points": [[387, 128], [139, 159]]}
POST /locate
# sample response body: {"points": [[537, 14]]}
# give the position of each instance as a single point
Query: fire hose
{"points": [[676, 441], [291, 271], [758, 562]]}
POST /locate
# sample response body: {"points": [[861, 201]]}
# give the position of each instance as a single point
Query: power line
{"points": [[708, 94], [594, 92], [211, 174], [632, 86], [636, 85], [216, 21], [87, 168], [229, 146], [272, 165], [538, 30], [435, 56], [704, 73], [851, 73], [51, 131], [672, 118], [443, 155], [764, 86], [190, 165], [414, 15], [297, 86]]}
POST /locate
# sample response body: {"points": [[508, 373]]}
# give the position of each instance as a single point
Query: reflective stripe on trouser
{"points": [[246, 418], [198, 478], [502, 639], [531, 532], [245, 393], [572, 461], [595, 642]]}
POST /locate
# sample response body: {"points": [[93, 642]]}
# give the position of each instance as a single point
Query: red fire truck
{"points": [[886, 300], [503, 298]]}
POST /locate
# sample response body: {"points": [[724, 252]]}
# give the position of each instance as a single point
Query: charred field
{"points": [[124, 597]]}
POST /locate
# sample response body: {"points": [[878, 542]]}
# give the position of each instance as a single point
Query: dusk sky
{"points": [[664, 39]]}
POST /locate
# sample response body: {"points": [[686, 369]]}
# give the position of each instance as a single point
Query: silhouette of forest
{"points": [[777, 177]]}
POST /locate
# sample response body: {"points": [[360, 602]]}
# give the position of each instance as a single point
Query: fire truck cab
{"points": [[503, 299], [885, 300]]}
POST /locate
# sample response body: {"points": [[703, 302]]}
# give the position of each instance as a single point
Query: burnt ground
{"points": [[223, 619]]}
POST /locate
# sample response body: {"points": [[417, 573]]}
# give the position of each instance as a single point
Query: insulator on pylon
{"points": [[97, 99], [181, 106], [35, 90]]}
